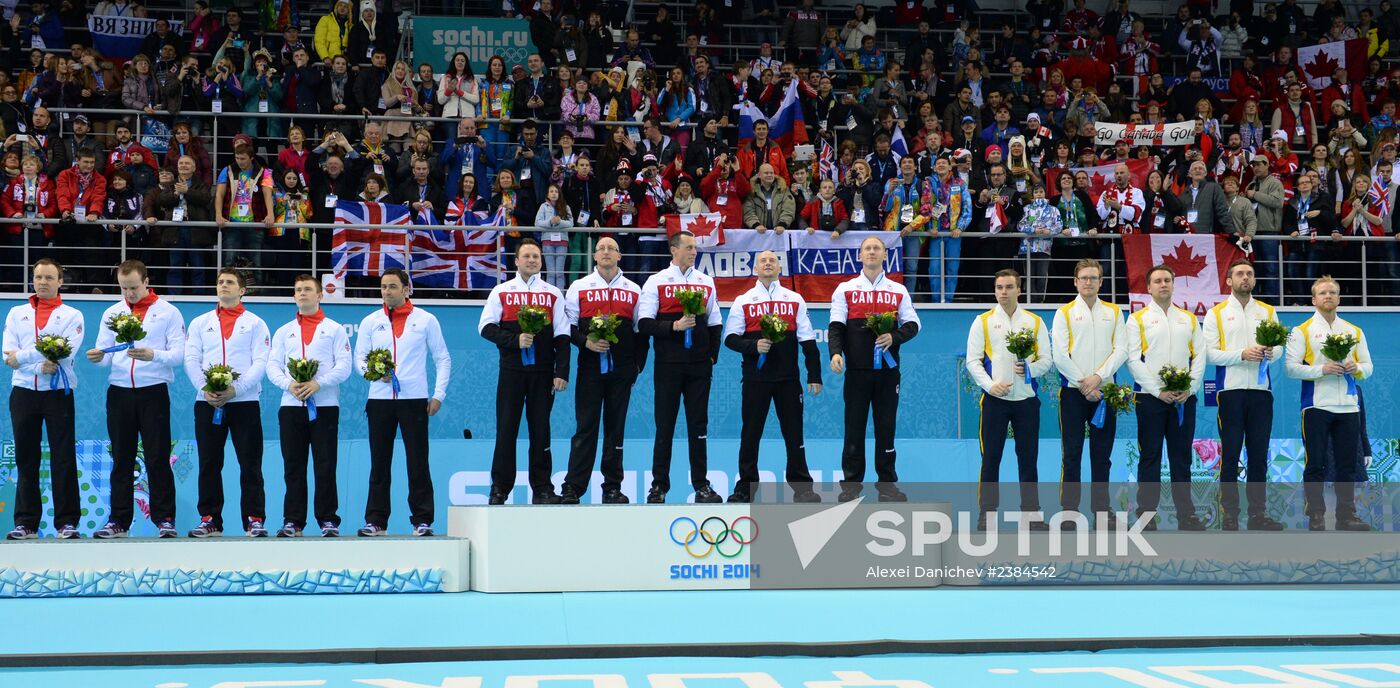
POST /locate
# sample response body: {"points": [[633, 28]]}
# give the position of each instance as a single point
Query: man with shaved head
{"points": [[606, 370], [770, 373]]}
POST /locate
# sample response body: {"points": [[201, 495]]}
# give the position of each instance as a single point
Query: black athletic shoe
{"points": [[544, 498], [707, 495], [806, 497], [496, 499], [568, 495], [656, 496], [1352, 523], [1262, 522], [736, 498], [614, 496], [1189, 522]]}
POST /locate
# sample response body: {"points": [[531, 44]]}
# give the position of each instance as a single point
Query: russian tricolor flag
{"points": [[785, 127]]}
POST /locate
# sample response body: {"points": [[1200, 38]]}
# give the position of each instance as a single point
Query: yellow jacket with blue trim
{"points": [[1228, 330], [1305, 361], [1158, 338], [988, 361]]}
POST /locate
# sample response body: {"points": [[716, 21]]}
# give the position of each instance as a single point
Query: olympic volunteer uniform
{"points": [[410, 334], [1086, 339], [868, 389], [36, 405], [1246, 413], [777, 382], [1158, 338], [599, 394], [989, 363], [521, 386], [317, 338], [138, 406], [680, 372], [1330, 414], [236, 338]]}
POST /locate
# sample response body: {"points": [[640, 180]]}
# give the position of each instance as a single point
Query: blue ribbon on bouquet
{"points": [[1351, 384], [527, 355], [1027, 366], [1100, 414], [394, 380], [120, 347], [60, 375], [310, 409], [1263, 370], [605, 363], [761, 359], [884, 355], [1180, 414], [689, 337], [218, 415]]}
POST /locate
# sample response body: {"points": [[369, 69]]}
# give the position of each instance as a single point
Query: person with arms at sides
{"points": [[1160, 335], [770, 375], [309, 417], [606, 371], [231, 336], [530, 373], [1089, 341], [687, 348], [872, 384], [1007, 399], [399, 404], [1331, 405], [41, 397], [138, 400], [1244, 394]]}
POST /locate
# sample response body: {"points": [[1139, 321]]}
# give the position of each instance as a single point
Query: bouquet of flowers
{"points": [[1022, 345], [1176, 379], [774, 329], [604, 328], [304, 370], [1269, 333], [128, 330], [379, 365], [1337, 347], [1116, 397], [218, 378], [692, 303], [55, 348], [532, 320], [882, 323]]}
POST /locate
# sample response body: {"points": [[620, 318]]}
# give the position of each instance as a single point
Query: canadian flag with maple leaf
{"points": [[1199, 260], [1320, 61], [708, 228]]}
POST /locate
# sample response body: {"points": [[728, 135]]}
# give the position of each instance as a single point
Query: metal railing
{"points": [[1368, 268]]}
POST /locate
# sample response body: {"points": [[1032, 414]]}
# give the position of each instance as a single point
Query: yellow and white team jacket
{"points": [[1305, 360], [1229, 330], [1158, 338], [989, 362], [1088, 340]]}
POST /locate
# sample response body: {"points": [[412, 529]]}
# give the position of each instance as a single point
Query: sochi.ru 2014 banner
{"points": [[437, 39], [120, 37], [1172, 134], [1199, 261]]}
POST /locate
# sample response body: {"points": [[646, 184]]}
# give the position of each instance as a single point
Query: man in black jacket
{"points": [[700, 155], [770, 374], [369, 82], [687, 348], [421, 194], [537, 95]]}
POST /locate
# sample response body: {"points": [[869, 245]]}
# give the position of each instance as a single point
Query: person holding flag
{"points": [[1008, 347], [1329, 355], [41, 396], [1165, 344], [679, 311], [767, 325], [516, 314], [399, 402], [138, 399], [601, 310], [1242, 339], [1089, 344], [1381, 204], [310, 359], [231, 338], [871, 316]]}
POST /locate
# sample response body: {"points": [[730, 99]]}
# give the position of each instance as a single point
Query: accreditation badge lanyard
{"points": [[1304, 227]]}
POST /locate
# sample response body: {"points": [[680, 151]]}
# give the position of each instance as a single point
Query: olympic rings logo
{"points": [[713, 533]]}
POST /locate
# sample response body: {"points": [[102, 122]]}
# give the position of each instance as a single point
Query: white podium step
{"points": [[233, 566], [606, 547]]}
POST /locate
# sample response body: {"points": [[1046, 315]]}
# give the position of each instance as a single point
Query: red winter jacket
{"points": [[93, 199], [12, 203], [735, 189]]}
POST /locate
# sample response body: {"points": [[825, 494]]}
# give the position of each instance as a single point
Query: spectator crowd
{"points": [[947, 125]]}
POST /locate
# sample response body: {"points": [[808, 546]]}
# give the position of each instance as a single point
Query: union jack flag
{"points": [[467, 258], [369, 252], [826, 162], [1380, 195]]}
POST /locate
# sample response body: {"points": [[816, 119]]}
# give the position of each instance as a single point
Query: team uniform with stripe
{"points": [[1246, 414], [1086, 339], [1159, 337], [1331, 415]]}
